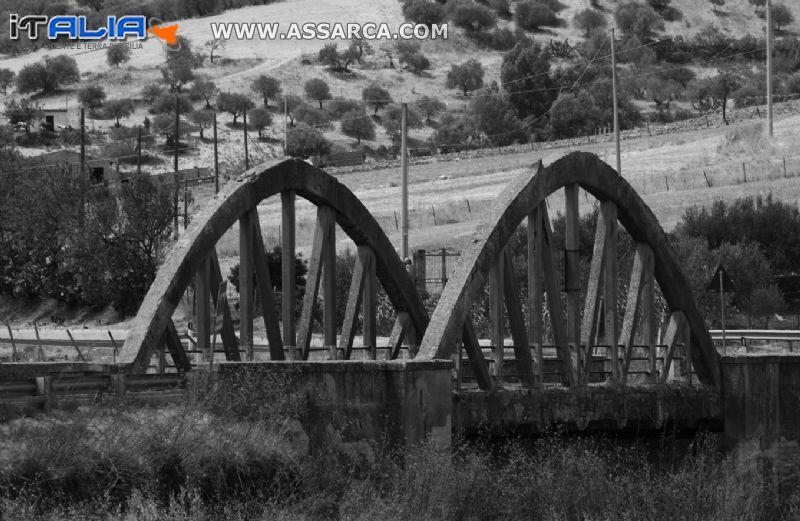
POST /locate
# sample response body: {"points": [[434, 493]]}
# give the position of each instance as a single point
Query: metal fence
{"points": [[433, 268]]}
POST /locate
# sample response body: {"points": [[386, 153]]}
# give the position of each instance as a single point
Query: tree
{"points": [[455, 129], [424, 12], [152, 92], [312, 116], [524, 76], [164, 124], [781, 16], [118, 54], [358, 125], [92, 96], [48, 75], [430, 107], [177, 72], [202, 119], [338, 61], [304, 141], [259, 119], [214, 45], [416, 61], [376, 96], [574, 114], [589, 20], [268, 87], [292, 101], [6, 79], [495, 117], [473, 17], [722, 86], [338, 107], [317, 90], [167, 104], [531, 15], [234, 104], [468, 76], [717, 3], [638, 20], [203, 90], [24, 111], [118, 108]]}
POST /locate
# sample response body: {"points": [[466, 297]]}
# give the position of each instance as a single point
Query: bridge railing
{"points": [[643, 368]]}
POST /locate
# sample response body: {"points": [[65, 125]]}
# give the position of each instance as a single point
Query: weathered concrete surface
{"points": [[761, 398], [394, 402], [515, 204], [595, 407]]}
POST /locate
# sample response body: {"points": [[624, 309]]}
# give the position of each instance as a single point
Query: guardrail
{"points": [[789, 336]]}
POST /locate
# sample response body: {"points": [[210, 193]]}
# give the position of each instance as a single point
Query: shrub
{"points": [[6, 79], [318, 90], [234, 104], [359, 125], [305, 141], [532, 15], [417, 61], [473, 17], [92, 96], [589, 20], [152, 92], [424, 12], [118, 54], [638, 20], [467, 76], [376, 96], [337, 107]]}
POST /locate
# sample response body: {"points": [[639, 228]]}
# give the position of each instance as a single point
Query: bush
{"points": [[118, 54], [424, 12], [468, 76], [417, 61], [473, 17], [337, 107], [589, 20], [305, 141], [532, 15], [317, 90], [312, 116], [638, 20], [152, 92], [359, 125]]}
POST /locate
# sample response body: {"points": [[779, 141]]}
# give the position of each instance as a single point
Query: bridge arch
{"points": [[195, 253], [485, 260]]}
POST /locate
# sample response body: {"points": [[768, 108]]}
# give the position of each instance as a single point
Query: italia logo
{"points": [[77, 28]]}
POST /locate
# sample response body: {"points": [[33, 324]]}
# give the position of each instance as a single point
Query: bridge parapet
{"points": [[761, 398]]}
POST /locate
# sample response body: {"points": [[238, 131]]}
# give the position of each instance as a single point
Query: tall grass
{"points": [[205, 460]]}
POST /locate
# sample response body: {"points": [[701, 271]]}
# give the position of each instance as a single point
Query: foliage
{"points": [[6, 79], [589, 20], [118, 54], [455, 129], [376, 96], [318, 90], [532, 15], [202, 119], [312, 116], [170, 103], [641, 21], [259, 119], [268, 87], [233, 103], [336, 60], [473, 17], [203, 90], [781, 16], [430, 106], [467, 76], [305, 141], [177, 72], [496, 119], [337, 107], [24, 111], [214, 45], [409, 53], [359, 125], [524, 76], [118, 108], [424, 12], [48, 75], [151, 92], [92, 96]]}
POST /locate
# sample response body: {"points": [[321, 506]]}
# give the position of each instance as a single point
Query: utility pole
{"points": [[404, 181], [769, 67], [722, 312], [83, 143], [285, 127], [139, 152], [185, 203], [616, 108], [216, 157], [246, 156], [177, 137]]}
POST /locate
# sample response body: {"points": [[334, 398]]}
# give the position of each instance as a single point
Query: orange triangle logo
{"points": [[168, 33]]}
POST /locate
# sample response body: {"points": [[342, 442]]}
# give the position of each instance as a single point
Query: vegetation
{"points": [[268, 87], [358, 125], [318, 90], [234, 104], [118, 54], [468, 76], [47, 75]]}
